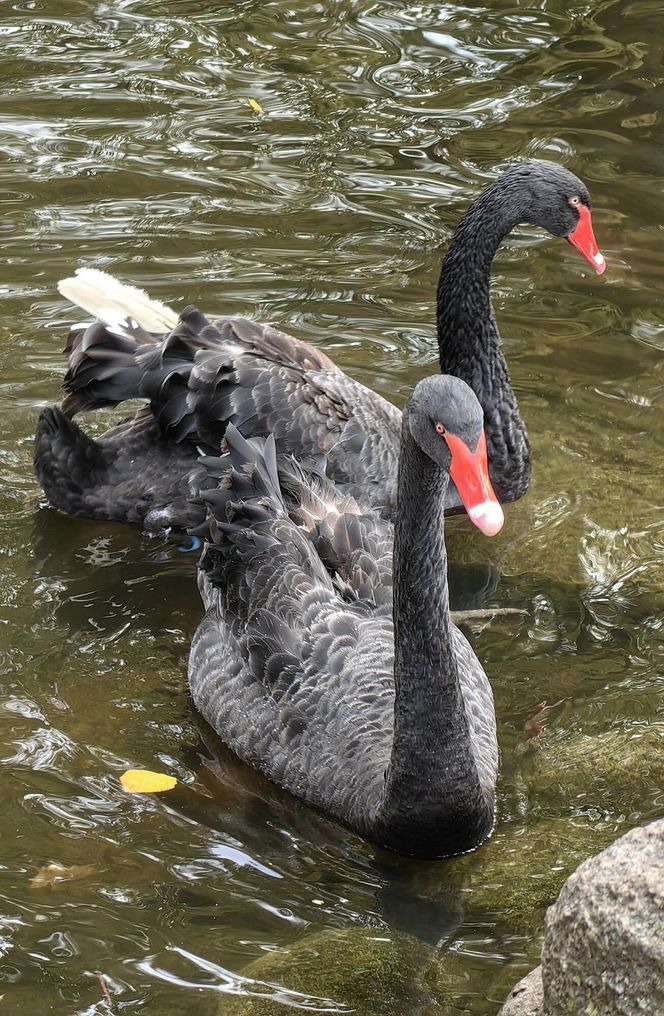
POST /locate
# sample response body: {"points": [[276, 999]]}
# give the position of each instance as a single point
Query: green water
{"points": [[127, 142]]}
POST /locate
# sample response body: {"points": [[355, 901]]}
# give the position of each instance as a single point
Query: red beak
{"points": [[470, 472], [584, 240]]}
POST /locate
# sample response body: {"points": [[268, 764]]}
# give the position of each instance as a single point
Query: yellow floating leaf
{"points": [[256, 106], [142, 781], [51, 874]]}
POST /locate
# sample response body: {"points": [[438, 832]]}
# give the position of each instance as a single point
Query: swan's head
{"points": [[548, 195], [446, 421]]}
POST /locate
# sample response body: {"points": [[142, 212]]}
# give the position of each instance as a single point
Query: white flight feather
{"points": [[110, 301]]}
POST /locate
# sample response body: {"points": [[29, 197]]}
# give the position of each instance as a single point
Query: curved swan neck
{"points": [[468, 338], [432, 790]]}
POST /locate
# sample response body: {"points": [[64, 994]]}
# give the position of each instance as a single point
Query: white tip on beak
{"points": [[488, 517], [600, 262]]}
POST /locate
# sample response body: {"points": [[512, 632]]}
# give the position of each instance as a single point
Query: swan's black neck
{"points": [[468, 337], [432, 791]]}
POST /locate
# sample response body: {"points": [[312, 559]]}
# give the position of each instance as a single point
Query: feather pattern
{"points": [[202, 376], [294, 661], [199, 375]]}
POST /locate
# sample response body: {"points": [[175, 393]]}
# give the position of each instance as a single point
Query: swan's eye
{"points": [[575, 201], [440, 428]]}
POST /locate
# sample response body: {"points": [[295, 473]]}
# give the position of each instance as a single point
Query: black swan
{"points": [[204, 375], [364, 701]]}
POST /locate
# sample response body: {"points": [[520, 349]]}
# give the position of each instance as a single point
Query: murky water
{"points": [[128, 143]]}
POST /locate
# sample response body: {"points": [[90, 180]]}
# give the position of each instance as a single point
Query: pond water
{"points": [[128, 143]]}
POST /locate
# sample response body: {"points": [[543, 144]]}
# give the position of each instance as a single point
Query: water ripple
{"points": [[128, 142]]}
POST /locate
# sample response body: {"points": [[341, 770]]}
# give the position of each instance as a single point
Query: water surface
{"points": [[128, 143]]}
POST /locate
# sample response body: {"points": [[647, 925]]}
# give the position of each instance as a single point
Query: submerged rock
{"points": [[604, 945], [356, 970], [616, 770], [519, 872]]}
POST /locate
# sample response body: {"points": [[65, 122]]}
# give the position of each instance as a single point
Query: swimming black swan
{"points": [[364, 701], [204, 374]]}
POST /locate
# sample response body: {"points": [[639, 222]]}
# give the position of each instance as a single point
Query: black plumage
{"points": [[203, 375], [338, 676]]}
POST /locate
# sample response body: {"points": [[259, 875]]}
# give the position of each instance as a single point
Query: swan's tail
{"points": [[110, 301], [134, 478], [110, 359], [69, 464]]}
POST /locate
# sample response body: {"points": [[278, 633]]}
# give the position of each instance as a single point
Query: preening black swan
{"points": [[361, 699], [198, 376]]}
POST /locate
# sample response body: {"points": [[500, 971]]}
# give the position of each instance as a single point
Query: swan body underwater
{"points": [[199, 376], [327, 658]]}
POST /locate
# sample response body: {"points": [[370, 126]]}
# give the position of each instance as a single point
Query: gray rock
{"points": [[604, 943], [526, 998]]}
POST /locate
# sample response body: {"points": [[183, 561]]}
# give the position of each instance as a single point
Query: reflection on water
{"points": [[129, 143]]}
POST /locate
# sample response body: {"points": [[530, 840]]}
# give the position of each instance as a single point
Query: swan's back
{"points": [[204, 374], [293, 672]]}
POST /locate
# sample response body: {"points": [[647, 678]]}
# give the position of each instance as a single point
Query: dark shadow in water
{"points": [[109, 570], [265, 819], [471, 585]]}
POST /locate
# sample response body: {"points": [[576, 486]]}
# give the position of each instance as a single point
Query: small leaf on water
{"points": [[53, 873], [256, 106], [142, 781]]}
